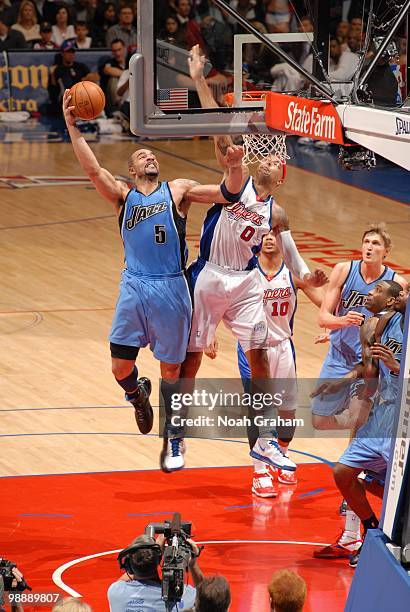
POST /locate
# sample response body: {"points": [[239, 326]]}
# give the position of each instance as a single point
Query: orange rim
{"points": [[257, 96]]}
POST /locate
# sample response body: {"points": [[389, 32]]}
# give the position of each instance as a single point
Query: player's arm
{"points": [[377, 350], [314, 294], [365, 369], [186, 191], [331, 299], [196, 62], [106, 185]]}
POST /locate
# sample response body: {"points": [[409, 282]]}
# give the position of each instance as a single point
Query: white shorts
{"points": [[282, 371], [282, 365], [232, 297]]}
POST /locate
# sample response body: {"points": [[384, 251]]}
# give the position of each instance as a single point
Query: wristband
{"points": [[228, 195]]}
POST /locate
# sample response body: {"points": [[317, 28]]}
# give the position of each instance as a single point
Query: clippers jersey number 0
{"points": [[247, 233]]}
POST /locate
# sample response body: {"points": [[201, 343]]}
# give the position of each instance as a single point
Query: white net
{"points": [[259, 146]]}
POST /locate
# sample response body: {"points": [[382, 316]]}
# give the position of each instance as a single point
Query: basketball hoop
{"points": [[258, 146]]}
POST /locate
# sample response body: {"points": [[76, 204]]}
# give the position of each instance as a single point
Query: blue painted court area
{"points": [[386, 179]]}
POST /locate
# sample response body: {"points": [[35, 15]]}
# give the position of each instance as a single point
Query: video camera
{"points": [[176, 555], [6, 573]]}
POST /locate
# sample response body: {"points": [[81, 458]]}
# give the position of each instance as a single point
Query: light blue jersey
{"points": [[154, 306], [153, 233], [345, 348], [346, 340], [370, 450]]}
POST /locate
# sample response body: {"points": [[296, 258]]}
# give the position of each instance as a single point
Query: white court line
{"points": [[57, 574]]}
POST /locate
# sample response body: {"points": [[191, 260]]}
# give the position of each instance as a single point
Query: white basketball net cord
{"points": [[259, 146]]}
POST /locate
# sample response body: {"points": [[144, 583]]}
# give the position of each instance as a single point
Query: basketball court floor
{"points": [[78, 482]]}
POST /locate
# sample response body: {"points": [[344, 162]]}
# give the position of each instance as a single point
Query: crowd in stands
{"points": [[88, 24]]}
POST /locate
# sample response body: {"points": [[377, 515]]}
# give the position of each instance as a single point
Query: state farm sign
{"points": [[312, 118]]}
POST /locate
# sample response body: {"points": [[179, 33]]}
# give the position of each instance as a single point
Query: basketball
{"points": [[88, 99]]}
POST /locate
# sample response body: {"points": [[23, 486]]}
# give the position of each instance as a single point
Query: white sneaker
{"points": [[172, 456], [268, 451]]}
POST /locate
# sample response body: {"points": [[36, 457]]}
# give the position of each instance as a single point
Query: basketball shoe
{"points": [[345, 546], [172, 455], [144, 415], [284, 476], [268, 451], [354, 559], [263, 485]]}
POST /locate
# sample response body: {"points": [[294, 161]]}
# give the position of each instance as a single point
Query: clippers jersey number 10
{"points": [[280, 309]]}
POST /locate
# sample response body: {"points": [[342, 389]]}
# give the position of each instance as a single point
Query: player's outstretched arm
{"points": [[196, 62], [225, 193], [106, 185], [332, 298], [313, 287]]}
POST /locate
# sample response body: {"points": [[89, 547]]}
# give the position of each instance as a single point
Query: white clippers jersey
{"points": [[279, 302], [232, 233]]}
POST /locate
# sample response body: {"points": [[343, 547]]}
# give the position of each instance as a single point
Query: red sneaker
{"points": [[263, 486], [338, 550], [286, 477]]}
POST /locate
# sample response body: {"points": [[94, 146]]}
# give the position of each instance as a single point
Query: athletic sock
{"points": [[352, 527], [259, 466], [284, 447], [130, 383]]}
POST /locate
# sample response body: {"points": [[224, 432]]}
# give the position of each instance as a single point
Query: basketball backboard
{"points": [[163, 97]]}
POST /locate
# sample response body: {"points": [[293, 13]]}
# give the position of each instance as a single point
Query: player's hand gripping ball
{"points": [[88, 100]]}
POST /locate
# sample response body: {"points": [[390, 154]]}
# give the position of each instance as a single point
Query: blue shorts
{"points": [[370, 449], [154, 311], [336, 365], [370, 454]]}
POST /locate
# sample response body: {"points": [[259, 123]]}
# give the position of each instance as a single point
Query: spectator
{"points": [[10, 39], [287, 592], [342, 34], [277, 17], [124, 30], [134, 6], [27, 21], [218, 42], [173, 33], [189, 26], [81, 31], [382, 83], [144, 583], [45, 35], [84, 10], [8, 13], [66, 74], [123, 96], [62, 30], [354, 40], [249, 9], [105, 17], [111, 70], [71, 604], [342, 64], [213, 595]]}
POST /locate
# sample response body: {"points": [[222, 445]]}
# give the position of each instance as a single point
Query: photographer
{"points": [[11, 581], [140, 588]]}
